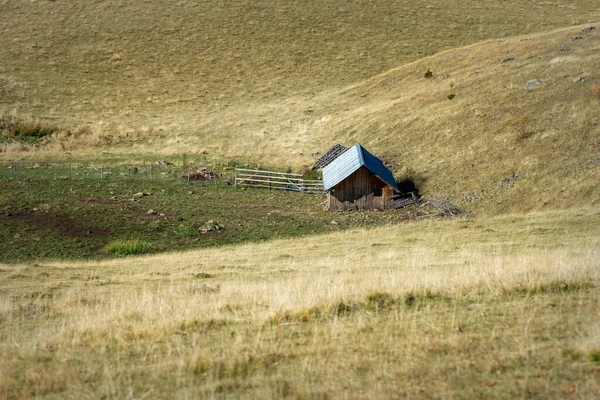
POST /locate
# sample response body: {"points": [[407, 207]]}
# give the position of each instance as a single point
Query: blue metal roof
{"points": [[350, 161]]}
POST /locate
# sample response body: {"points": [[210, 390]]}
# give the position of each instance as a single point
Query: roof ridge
{"points": [[361, 156]]}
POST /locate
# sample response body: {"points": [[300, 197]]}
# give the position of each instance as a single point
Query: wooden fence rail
{"points": [[276, 180]]}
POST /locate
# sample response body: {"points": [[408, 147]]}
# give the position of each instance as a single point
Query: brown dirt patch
{"points": [[57, 223]]}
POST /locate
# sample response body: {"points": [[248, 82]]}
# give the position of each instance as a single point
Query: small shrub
{"points": [[550, 287], [127, 247], [312, 174], [24, 131], [380, 300], [596, 93], [158, 225], [451, 95], [594, 356], [186, 230], [428, 74], [410, 180]]}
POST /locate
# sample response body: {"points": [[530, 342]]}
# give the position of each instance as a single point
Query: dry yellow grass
{"points": [[209, 75], [502, 307]]}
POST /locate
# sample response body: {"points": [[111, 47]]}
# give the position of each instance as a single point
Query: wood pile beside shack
{"points": [[329, 156]]}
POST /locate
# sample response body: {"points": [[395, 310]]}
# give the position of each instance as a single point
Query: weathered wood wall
{"points": [[358, 192]]}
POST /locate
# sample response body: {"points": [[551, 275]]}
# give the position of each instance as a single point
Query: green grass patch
{"points": [[185, 230], [128, 247], [46, 215]]}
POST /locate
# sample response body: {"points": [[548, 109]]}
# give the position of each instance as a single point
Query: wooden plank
{"points": [[281, 178], [276, 180], [279, 182], [263, 171], [292, 189]]}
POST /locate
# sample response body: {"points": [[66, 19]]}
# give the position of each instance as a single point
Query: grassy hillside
{"points": [[211, 73], [498, 308], [496, 143]]}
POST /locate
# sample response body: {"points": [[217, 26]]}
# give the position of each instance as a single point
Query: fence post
{"points": [[269, 180], [101, 171], [151, 178], [235, 178]]}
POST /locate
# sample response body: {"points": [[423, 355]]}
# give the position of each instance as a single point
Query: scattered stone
{"points": [[593, 163], [578, 80], [334, 222], [162, 215], [364, 95], [586, 30], [141, 194], [532, 83], [471, 197], [151, 212], [508, 182], [163, 162], [9, 214], [211, 226], [574, 38], [444, 76], [507, 60]]}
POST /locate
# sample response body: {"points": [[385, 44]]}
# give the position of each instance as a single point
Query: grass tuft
{"points": [[13, 129], [186, 230], [128, 247], [594, 356], [548, 287]]}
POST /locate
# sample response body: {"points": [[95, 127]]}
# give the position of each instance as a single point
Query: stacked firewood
{"points": [[202, 174]]}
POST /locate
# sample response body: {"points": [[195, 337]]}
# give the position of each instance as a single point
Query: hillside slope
{"points": [[160, 75], [496, 142]]}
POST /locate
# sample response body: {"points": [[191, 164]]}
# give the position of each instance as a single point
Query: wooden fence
{"points": [[276, 180]]}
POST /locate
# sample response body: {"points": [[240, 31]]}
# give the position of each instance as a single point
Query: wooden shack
{"points": [[358, 180]]}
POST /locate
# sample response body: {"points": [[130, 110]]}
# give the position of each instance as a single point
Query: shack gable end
{"points": [[361, 190]]}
